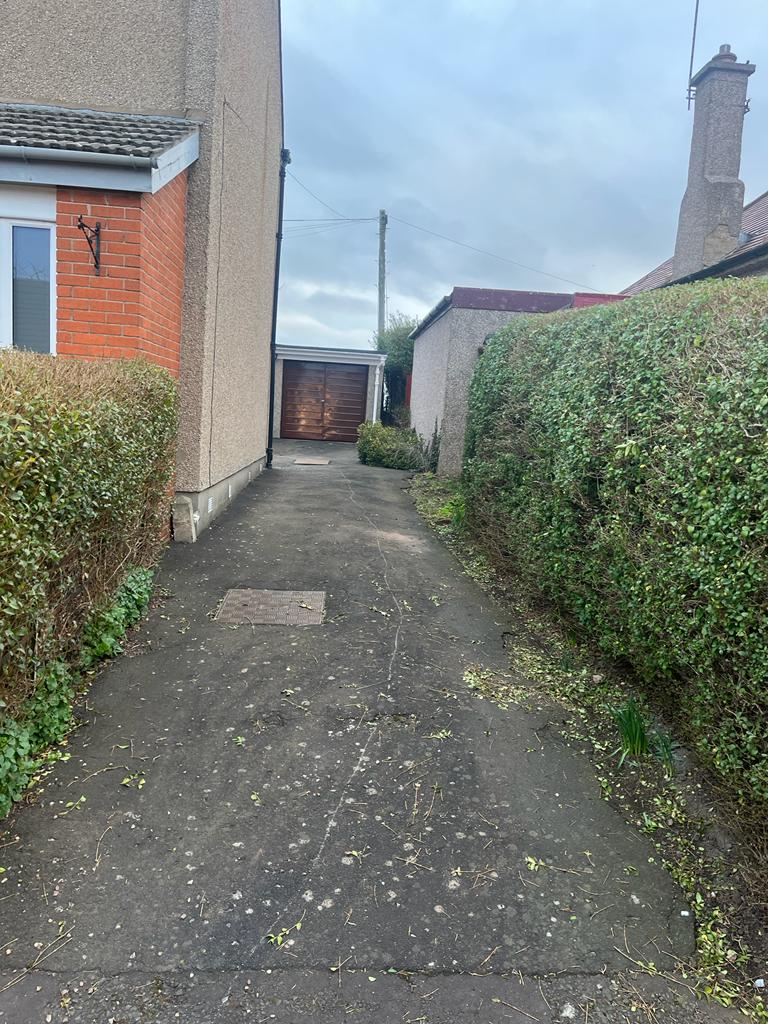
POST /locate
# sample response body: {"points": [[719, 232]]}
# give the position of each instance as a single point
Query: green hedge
{"points": [[395, 448], [86, 459], [618, 456]]}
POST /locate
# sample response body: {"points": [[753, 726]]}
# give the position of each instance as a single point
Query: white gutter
{"points": [[31, 165], [377, 393], [363, 357], [75, 156]]}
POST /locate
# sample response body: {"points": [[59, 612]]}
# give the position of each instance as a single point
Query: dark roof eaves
{"points": [[432, 316], [729, 263]]}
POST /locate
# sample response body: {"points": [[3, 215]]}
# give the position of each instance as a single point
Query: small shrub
{"points": [[396, 341], [400, 417], [393, 448], [454, 511], [617, 459]]}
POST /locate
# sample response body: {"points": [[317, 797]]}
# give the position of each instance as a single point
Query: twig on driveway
{"points": [[492, 953], [44, 953], [518, 1010], [97, 859], [109, 768]]}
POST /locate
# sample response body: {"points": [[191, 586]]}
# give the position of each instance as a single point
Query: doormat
{"points": [[311, 462], [272, 608]]}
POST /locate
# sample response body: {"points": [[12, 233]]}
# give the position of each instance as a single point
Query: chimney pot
{"points": [[725, 53]]}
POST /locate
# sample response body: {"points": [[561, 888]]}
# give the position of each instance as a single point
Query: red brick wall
{"points": [[133, 307], [163, 224]]}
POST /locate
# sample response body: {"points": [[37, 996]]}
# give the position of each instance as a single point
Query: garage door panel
{"points": [[323, 401], [303, 392], [345, 395], [335, 417]]}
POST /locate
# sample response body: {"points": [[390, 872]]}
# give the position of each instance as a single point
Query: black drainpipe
{"points": [[285, 159]]}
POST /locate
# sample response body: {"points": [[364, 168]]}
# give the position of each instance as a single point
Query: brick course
{"points": [[133, 308]]}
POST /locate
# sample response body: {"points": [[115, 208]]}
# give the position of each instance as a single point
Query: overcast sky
{"points": [[554, 134]]}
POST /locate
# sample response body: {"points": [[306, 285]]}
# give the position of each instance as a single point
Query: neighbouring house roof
{"points": [[501, 299], [93, 148], [307, 353], [754, 227], [509, 301]]}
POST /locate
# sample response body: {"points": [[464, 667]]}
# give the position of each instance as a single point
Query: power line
{"points": [[324, 220], [445, 238], [495, 255], [302, 233], [311, 193]]}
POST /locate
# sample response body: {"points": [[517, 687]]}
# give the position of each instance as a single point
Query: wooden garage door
{"points": [[323, 401]]}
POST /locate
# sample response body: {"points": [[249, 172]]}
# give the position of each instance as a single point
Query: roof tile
{"points": [[90, 131]]}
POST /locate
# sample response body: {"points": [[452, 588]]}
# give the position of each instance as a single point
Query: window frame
{"points": [[7, 224]]}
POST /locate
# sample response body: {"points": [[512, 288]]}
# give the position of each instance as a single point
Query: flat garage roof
{"points": [[362, 356]]}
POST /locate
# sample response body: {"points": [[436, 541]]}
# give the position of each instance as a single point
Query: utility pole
{"points": [[382, 268]]}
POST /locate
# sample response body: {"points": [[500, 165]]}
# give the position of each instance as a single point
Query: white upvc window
{"points": [[28, 269]]}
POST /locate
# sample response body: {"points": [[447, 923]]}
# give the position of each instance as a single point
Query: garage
{"points": [[325, 394]]}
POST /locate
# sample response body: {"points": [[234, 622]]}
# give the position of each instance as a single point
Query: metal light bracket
{"points": [[93, 238]]}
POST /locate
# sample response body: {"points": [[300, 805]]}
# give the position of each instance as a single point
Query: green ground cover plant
{"points": [[46, 717], [395, 448], [617, 460], [86, 460]]}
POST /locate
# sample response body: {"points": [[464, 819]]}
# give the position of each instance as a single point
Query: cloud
{"points": [[303, 329], [560, 142]]}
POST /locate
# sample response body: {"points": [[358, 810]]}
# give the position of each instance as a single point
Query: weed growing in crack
{"points": [[278, 938]]}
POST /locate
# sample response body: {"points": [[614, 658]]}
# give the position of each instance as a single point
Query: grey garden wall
{"points": [[444, 358], [429, 375]]}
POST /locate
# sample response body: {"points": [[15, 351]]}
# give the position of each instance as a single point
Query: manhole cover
{"points": [[311, 462], [273, 607]]}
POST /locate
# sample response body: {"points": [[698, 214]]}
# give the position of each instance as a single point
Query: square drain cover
{"points": [[273, 607]]}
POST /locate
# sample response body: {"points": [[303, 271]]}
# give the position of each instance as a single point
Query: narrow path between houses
{"points": [[447, 860]]}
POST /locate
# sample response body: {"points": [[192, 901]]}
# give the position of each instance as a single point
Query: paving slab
{"points": [[229, 782]]}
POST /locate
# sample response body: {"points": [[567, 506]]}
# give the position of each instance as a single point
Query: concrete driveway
{"points": [[422, 855]]}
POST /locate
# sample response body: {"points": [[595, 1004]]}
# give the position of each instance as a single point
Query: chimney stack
{"points": [[711, 211]]}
